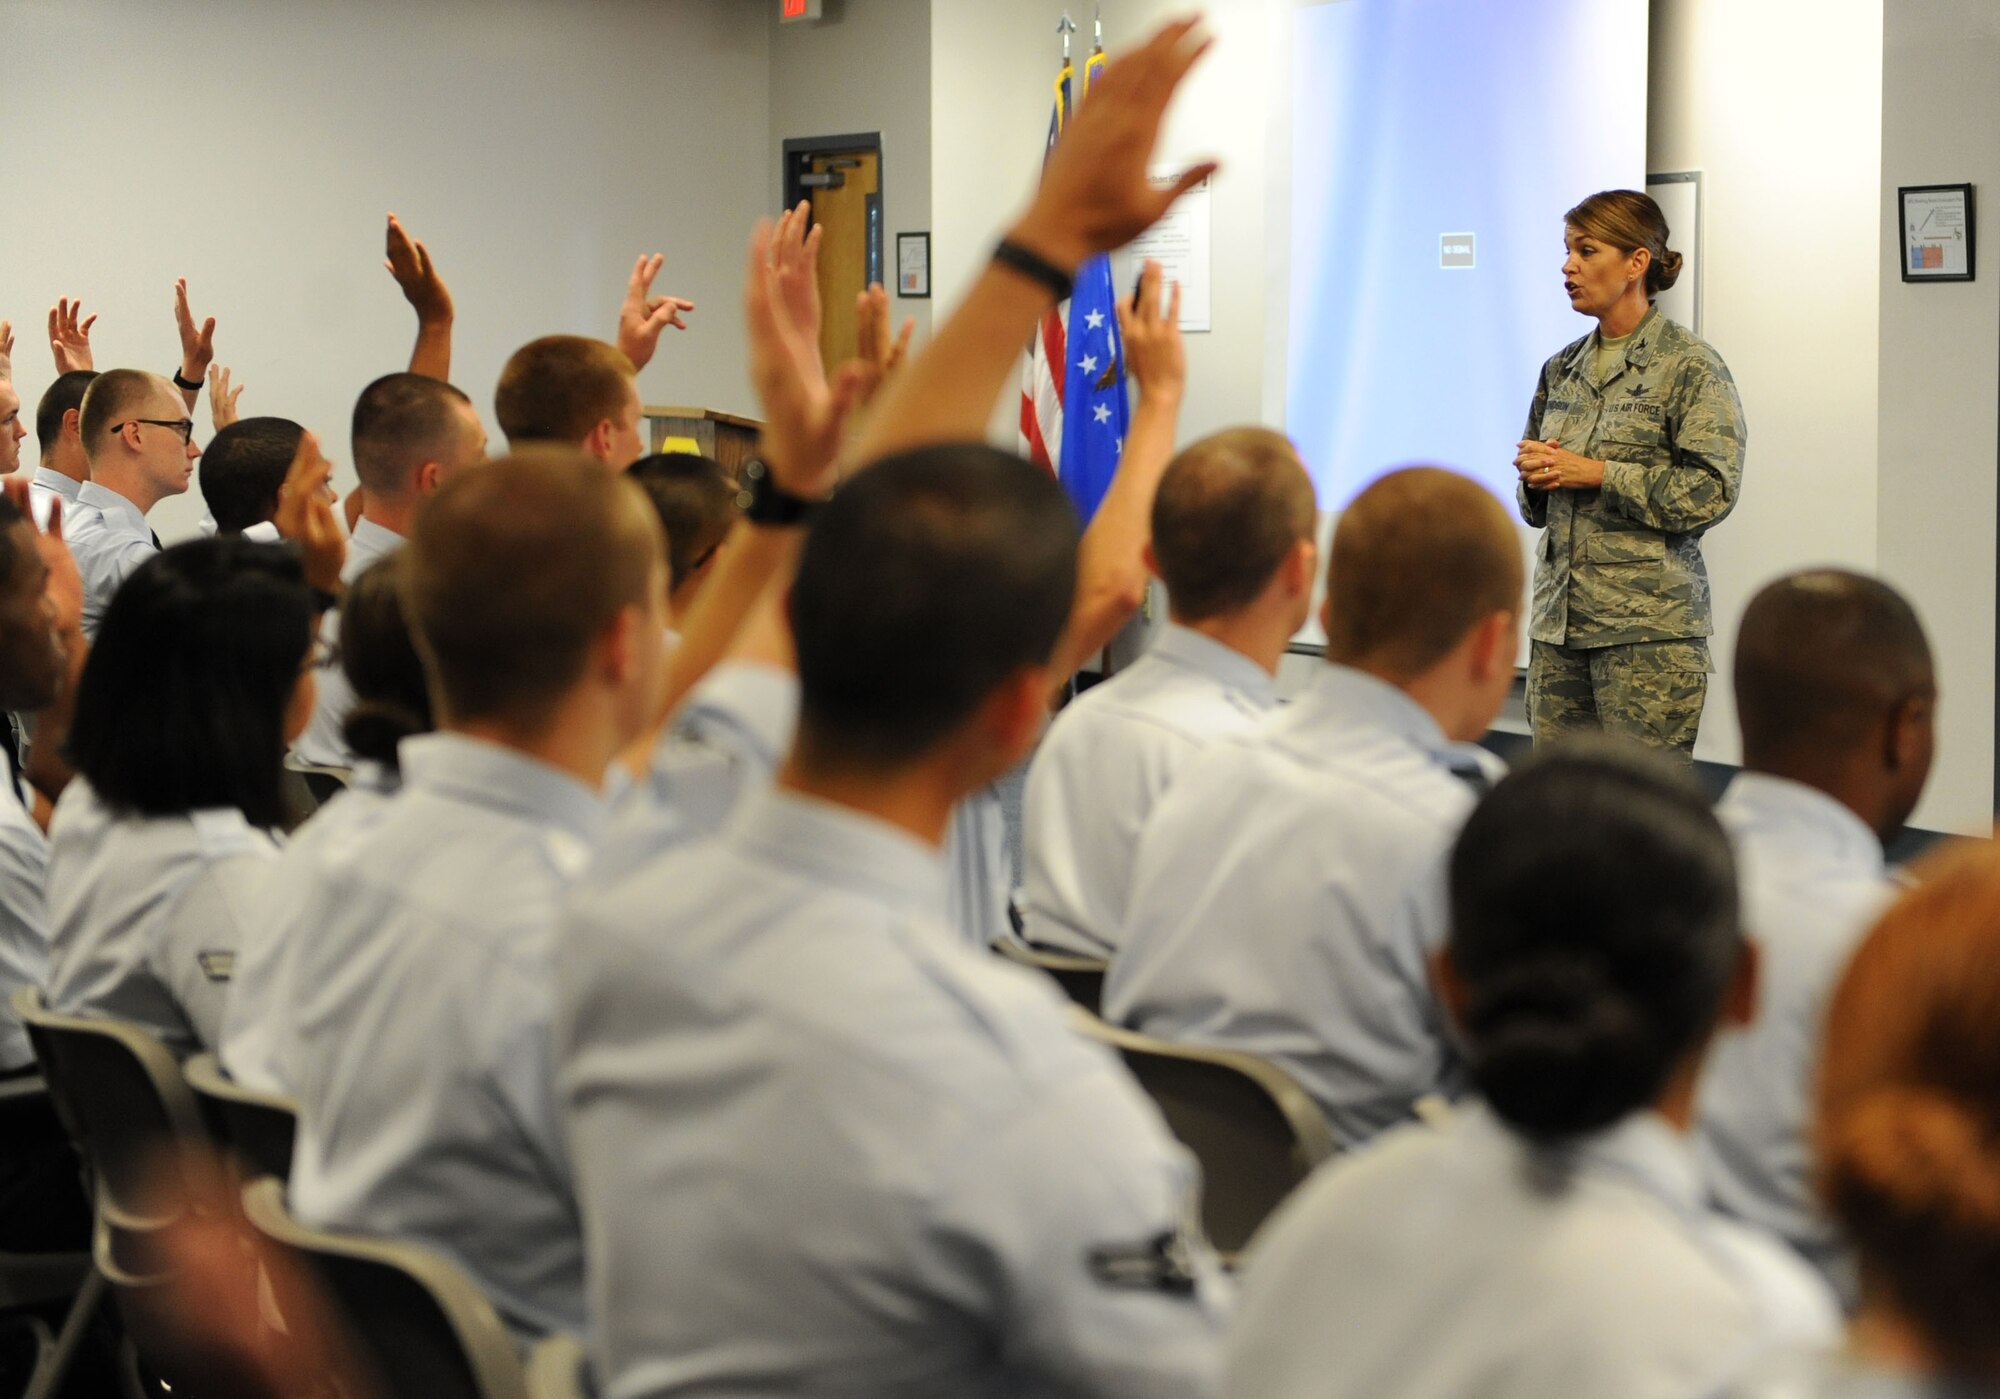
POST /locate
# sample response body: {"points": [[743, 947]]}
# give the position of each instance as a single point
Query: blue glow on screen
{"points": [[1411, 120]]}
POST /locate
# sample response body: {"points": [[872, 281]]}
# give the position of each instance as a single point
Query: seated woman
{"points": [[199, 678], [1909, 1144], [1553, 1239], [390, 705]]}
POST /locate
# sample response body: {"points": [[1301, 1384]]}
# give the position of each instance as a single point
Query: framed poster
{"points": [[913, 266], [1935, 223]]}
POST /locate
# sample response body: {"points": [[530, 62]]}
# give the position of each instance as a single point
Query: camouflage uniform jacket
{"points": [[1622, 563]]}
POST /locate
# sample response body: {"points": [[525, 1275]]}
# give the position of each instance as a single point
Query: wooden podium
{"points": [[730, 439]]}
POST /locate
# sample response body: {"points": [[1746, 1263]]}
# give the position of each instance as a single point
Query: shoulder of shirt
{"points": [[1387, 770], [222, 832], [1193, 709], [1795, 1301]]}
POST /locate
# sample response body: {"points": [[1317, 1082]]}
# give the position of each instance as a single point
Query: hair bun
{"points": [[374, 728], [1558, 1049], [1665, 271]]}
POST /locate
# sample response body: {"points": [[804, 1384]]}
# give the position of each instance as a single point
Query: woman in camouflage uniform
{"points": [[1634, 449]]}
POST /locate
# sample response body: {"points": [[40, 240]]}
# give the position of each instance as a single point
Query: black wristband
{"points": [[1033, 265], [322, 600], [764, 502], [181, 383]]}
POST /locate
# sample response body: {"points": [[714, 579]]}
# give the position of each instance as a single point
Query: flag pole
{"points": [[1066, 27]]}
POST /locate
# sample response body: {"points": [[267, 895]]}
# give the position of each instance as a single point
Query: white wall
{"points": [[864, 67], [1940, 365], [537, 146], [1789, 155]]}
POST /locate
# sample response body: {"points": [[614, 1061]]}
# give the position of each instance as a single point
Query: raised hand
{"points": [[305, 516], [197, 345], [68, 340], [7, 350], [409, 262], [804, 414], [1094, 194], [1155, 357], [65, 585], [222, 399], [643, 315], [875, 347], [795, 264]]}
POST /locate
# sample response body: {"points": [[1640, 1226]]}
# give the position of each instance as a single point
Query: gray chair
{"points": [[1253, 1129], [120, 1096], [259, 1127], [425, 1330], [1081, 978], [36, 1279], [558, 1369], [321, 784]]}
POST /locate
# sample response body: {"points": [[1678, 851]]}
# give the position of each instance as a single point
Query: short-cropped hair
{"points": [[113, 397], [242, 468], [1229, 510], [1418, 559], [401, 421], [696, 503], [516, 570], [182, 702], [924, 584], [557, 388], [57, 400]]}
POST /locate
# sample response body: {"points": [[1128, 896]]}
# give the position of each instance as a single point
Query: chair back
{"points": [[558, 1369], [426, 1329], [1255, 1132], [1081, 978], [119, 1094], [259, 1127]]}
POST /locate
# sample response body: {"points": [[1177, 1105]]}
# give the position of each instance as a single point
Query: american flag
{"points": [[1073, 405]]}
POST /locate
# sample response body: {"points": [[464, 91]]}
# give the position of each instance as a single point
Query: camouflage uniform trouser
{"points": [[1650, 690]]}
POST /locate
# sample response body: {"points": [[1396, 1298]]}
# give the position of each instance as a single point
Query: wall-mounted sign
{"points": [[1936, 226], [798, 11]]}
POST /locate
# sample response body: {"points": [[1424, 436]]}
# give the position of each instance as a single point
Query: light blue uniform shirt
{"points": [[725, 743], [323, 744], [1288, 894], [420, 1057], [1106, 761], [145, 913], [47, 485], [1464, 1263], [257, 1011], [825, 1148], [24, 917], [109, 538], [1814, 882]]}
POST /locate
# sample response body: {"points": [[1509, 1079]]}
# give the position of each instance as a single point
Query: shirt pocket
{"points": [[1619, 573], [1636, 431]]}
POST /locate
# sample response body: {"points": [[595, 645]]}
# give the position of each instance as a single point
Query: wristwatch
{"points": [[764, 502]]}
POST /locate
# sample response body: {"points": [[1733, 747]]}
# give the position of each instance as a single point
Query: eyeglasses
{"points": [[184, 426]]}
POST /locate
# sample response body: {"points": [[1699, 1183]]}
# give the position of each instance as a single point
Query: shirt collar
{"points": [[115, 508], [838, 846], [1184, 646], [65, 486], [1639, 345], [1345, 698], [1806, 815], [500, 779], [1641, 1148], [368, 543]]}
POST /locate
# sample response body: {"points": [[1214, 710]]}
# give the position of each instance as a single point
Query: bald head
{"points": [[516, 571], [1419, 559], [1229, 510], [1822, 658]]}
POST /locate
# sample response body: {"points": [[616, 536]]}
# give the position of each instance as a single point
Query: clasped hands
{"points": [[1547, 466]]}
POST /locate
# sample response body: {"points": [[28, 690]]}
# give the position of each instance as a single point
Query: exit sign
{"points": [[797, 11]]}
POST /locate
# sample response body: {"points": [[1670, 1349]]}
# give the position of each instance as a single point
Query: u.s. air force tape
{"points": [[216, 966], [1162, 1264]]}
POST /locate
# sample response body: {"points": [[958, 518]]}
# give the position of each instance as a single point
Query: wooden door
{"points": [[845, 190]]}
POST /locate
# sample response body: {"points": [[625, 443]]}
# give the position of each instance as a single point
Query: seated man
{"points": [[140, 442], [241, 471], [1836, 697], [1288, 892], [411, 433], [989, 1205], [424, 955], [575, 391], [696, 503], [1232, 540], [58, 432]]}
